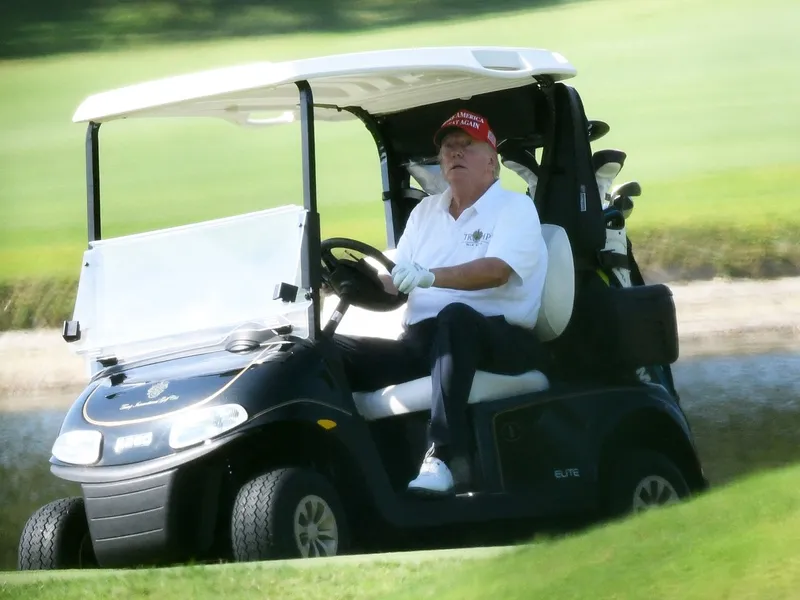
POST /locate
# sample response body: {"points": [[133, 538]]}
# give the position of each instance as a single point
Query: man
{"points": [[473, 261]]}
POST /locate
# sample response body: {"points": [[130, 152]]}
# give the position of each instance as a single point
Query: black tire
{"points": [[264, 511], [56, 537], [627, 489]]}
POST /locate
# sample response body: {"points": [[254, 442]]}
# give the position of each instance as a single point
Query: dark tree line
{"points": [[39, 27]]}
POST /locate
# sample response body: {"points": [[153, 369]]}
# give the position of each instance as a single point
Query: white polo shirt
{"points": [[501, 224]]}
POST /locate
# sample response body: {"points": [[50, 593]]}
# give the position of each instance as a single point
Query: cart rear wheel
{"points": [[642, 479], [56, 537], [288, 513]]}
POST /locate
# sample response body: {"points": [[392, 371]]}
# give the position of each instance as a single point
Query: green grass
{"points": [[739, 224], [731, 544], [701, 97], [734, 543], [343, 577]]}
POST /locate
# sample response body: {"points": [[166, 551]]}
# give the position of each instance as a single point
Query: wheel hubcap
{"points": [[653, 491], [315, 530]]}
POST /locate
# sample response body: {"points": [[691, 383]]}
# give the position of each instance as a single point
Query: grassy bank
{"points": [[731, 543]]}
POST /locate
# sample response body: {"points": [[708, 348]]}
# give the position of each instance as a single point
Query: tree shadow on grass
{"points": [[43, 27]]}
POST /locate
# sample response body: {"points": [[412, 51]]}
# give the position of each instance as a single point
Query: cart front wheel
{"points": [[57, 537], [288, 513]]}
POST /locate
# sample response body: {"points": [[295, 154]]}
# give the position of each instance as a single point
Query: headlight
{"points": [[200, 425], [79, 447]]}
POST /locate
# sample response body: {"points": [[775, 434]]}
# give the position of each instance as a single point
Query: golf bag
{"points": [[620, 327]]}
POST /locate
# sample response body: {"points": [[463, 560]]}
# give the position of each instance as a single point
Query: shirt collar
{"points": [[481, 204], [484, 203]]}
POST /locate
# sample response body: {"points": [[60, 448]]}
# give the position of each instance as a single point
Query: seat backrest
{"points": [[558, 296]]}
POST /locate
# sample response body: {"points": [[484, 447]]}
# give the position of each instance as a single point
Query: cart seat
{"points": [[554, 315]]}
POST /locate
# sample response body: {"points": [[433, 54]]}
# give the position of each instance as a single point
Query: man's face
{"points": [[464, 159]]}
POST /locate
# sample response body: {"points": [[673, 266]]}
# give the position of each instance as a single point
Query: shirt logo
{"points": [[477, 238]]}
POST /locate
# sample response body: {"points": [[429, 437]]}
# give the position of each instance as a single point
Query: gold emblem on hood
{"points": [[158, 389]]}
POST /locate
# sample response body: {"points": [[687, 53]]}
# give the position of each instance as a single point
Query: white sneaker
{"points": [[434, 478]]}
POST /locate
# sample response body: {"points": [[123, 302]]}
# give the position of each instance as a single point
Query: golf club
{"points": [[607, 165]]}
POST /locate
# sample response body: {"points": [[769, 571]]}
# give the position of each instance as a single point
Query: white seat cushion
{"points": [[415, 396]]}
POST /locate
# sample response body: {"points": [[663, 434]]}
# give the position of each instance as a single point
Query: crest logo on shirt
{"points": [[477, 238]]}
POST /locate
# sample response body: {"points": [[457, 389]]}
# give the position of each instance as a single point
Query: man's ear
{"points": [[495, 160]]}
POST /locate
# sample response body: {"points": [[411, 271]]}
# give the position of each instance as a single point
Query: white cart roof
{"points": [[379, 82]]}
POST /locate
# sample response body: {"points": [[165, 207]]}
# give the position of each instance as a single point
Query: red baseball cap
{"points": [[474, 124]]}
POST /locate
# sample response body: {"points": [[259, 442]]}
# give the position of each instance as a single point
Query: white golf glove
{"points": [[407, 276]]}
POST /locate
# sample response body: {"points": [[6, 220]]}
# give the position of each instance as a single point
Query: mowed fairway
{"points": [[702, 97], [735, 543]]}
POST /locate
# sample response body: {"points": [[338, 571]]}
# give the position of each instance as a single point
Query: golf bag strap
{"points": [[636, 274], [612, 260], [546, 166], [566, 193], [590, 212]]}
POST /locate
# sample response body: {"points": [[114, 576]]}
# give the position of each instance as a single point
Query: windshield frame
{"points": [[310, 259]]}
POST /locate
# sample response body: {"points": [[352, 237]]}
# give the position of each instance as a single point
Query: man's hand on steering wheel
{"points": [[355, 280], [408, 276]]}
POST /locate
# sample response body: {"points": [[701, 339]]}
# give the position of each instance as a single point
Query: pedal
{"points": [[424, 494]]}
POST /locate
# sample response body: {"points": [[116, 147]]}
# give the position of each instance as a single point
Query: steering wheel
{"points": [[354, 280]]}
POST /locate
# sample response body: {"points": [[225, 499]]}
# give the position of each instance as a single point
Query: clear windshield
{"points": [[187, 287]]}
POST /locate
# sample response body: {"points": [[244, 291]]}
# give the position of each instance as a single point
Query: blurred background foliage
{"points": [[42, 27]]}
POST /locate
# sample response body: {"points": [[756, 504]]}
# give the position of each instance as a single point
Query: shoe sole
{"points": [[428, 493]]}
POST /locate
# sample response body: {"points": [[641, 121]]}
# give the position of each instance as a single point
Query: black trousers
{"points": [[449, 348]]}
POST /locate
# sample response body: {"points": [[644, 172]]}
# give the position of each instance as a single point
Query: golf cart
{"points": [[217, 423]]}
